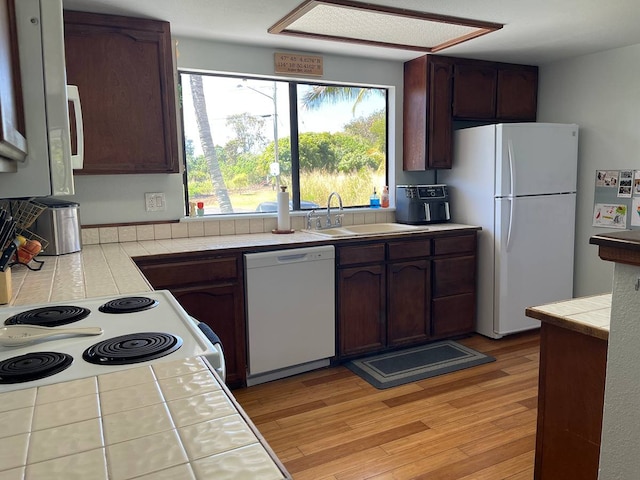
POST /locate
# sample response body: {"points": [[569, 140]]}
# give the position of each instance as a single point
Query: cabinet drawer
{"points": [[361, 254], [449, 245], [409, 249], [168, 274], [453, 315], [452, 276]]}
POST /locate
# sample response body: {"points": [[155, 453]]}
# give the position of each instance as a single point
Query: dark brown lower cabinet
{"points": [[389, 293], [570, 404], [409, 310], [453, 315], [398, 293], [361, 309], [211, 289], [454, 295], [218, 307]]}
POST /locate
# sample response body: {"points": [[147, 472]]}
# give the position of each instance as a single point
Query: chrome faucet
{"points": [[312, 216], [338, 217]]}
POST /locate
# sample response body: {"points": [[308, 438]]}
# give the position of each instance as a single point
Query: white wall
{"points": [[107, 199], [601, 93], [120, 198]]}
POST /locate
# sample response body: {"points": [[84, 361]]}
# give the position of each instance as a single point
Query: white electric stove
{"points": [[138, 329]]}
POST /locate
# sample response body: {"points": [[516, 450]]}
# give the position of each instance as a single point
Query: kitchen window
{"points": [[244, 138]]}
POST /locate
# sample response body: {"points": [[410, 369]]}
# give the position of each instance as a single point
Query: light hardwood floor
{"points": [[479, 423]]}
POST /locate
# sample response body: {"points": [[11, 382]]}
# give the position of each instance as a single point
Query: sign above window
{"points": [[298, 64]]}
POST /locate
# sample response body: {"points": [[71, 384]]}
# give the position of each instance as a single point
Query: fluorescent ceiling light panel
{"points": [[346, 21]]}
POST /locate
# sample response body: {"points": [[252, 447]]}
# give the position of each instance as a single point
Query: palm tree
{"points": [[208, 148], [321, 94]]}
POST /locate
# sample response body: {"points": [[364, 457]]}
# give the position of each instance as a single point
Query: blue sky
{"points": [[228, 96]]}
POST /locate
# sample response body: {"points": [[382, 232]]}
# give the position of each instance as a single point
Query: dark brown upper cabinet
{"points": [[494, 91], [428, 129], [123, 68], [474, 91], [439, 90], [517, 97]]}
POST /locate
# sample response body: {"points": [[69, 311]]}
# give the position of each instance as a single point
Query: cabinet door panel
{"points": [[440, 125], [517, 93], [414, 135], [408, 317], [474, 91], [361, 309], [428, 130], [123, 70], [220, 307]]}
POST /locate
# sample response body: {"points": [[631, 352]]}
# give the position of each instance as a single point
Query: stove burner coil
{"points": [[53, 316], [33, 366], [132, 348], [128, 305]]}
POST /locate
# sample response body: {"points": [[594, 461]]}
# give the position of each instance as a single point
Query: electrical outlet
{"points": [[154, 202]]}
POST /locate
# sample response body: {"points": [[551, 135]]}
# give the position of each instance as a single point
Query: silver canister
{"points": [[59, 224]]}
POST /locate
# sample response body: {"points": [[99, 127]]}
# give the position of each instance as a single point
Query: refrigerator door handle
{"points": [[512, 173], [511, 210]]}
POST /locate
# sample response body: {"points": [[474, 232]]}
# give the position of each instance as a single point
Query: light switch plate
{"points": [[155, 202]]}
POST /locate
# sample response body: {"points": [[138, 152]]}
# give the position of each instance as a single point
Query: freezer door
{"points": [[536, 158], [534, 257]]}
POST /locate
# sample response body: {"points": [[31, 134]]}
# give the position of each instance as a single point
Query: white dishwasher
{"points": [[290, 311]]}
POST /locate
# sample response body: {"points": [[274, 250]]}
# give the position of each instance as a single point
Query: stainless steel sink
{"points": [[366, 229]]}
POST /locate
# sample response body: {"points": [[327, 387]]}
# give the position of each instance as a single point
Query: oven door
{"points": [[216, 359]]}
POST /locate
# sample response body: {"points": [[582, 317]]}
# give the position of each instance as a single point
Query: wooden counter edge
{"points": [[620, 247], [569, 324]]}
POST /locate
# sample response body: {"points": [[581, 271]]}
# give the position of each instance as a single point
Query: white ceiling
{"points": [[534, 32]]}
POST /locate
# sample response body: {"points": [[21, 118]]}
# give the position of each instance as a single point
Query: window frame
{"points": [[293, 131]]}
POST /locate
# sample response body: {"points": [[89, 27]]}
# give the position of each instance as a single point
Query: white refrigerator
{"points": [[518, 182]]}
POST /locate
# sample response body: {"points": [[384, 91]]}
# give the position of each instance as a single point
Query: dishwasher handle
{"points": [[297, 257], [289, 256]]}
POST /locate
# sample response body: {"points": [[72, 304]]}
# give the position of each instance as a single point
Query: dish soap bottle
{"points": [[384, 198], [374, 199]]}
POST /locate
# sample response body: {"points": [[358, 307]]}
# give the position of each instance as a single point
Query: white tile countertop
{"points": [[172, 420], [107, 268], [589, 315]]}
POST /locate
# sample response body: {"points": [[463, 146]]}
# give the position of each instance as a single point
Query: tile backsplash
{"points": [[206, 227]]}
